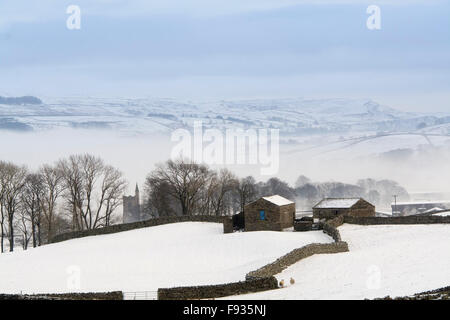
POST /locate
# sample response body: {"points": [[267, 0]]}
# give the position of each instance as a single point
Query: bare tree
{"points": [[72, 178], [158, 201], [182, 180], [12, 182], [24, 225], [3, 169], [111, 190], [223, 184], [52, 189], [32, 197], [93, 190], [187, 188], [247, 191]]}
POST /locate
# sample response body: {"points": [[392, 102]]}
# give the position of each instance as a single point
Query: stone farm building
{"points": [[332, 207], [269, 213], [421, 207]]}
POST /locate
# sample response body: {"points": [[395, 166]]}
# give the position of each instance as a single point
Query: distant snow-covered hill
{"points": [[292, 116], [318, 126]]}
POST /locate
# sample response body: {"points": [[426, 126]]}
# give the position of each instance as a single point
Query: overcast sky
{"points": [[206, 49]]}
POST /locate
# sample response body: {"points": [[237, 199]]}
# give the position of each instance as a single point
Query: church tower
{"points": [[136, 195], [132, 207]]}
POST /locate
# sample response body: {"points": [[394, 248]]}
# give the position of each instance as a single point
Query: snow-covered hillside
{"points": [[383, 260], [293, 116], [146, 259]]}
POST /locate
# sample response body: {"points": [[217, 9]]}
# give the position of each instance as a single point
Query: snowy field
{"points": [[191, 253], [383, 260]]}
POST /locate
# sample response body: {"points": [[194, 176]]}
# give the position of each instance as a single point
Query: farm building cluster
{"points": [[277, 213], [274, 213]]}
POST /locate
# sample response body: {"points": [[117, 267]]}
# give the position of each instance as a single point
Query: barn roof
{"points": [[278, 200], [337, 203]]}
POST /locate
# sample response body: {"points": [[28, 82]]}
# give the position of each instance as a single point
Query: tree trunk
{"points": [[2, 238], [39, 232], [33, 232], [11, 237]]}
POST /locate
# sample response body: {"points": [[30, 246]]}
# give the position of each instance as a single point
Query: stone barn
{"points": [[269, 213], [332, 207]]}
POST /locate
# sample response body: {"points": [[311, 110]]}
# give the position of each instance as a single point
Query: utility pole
{"points": [[395, 204]]}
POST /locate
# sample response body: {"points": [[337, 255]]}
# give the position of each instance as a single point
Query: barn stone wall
{"points": [[226, 221], [277, 218], [361, 209], [287, 215], [329, 213]]}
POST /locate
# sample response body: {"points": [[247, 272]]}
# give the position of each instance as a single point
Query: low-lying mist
{"points": [[425, 169]]}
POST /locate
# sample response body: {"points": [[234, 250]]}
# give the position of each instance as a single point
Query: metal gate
{"points": [[141, 295]]}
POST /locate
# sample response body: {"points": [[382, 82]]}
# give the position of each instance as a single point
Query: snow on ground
{"points": [[390, 260], [191, 253]]}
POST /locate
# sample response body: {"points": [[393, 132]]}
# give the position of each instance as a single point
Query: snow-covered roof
{"points": [[278, 200], [335, 203], [435, 209], [383, 214]]}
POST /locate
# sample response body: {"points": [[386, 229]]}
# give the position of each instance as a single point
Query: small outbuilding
{"points": [[332, 207], [269, 213]]}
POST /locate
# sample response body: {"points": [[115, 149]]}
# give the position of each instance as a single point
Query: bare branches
{"points": [[12, 181], [32, 204], [187, 188], [31, 209], [52, 188], [93, 190]]}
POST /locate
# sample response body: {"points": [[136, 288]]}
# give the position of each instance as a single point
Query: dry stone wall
{"points": [[329, 227], [226, 221], [295, 256], [217, 291], [115, 295], [396, 220]]}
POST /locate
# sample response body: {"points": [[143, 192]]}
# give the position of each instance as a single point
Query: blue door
{"points": [[262, 215]]}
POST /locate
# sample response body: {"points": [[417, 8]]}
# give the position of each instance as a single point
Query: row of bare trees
{"points": [[183, 187], [180, 187], [76, 193]]}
